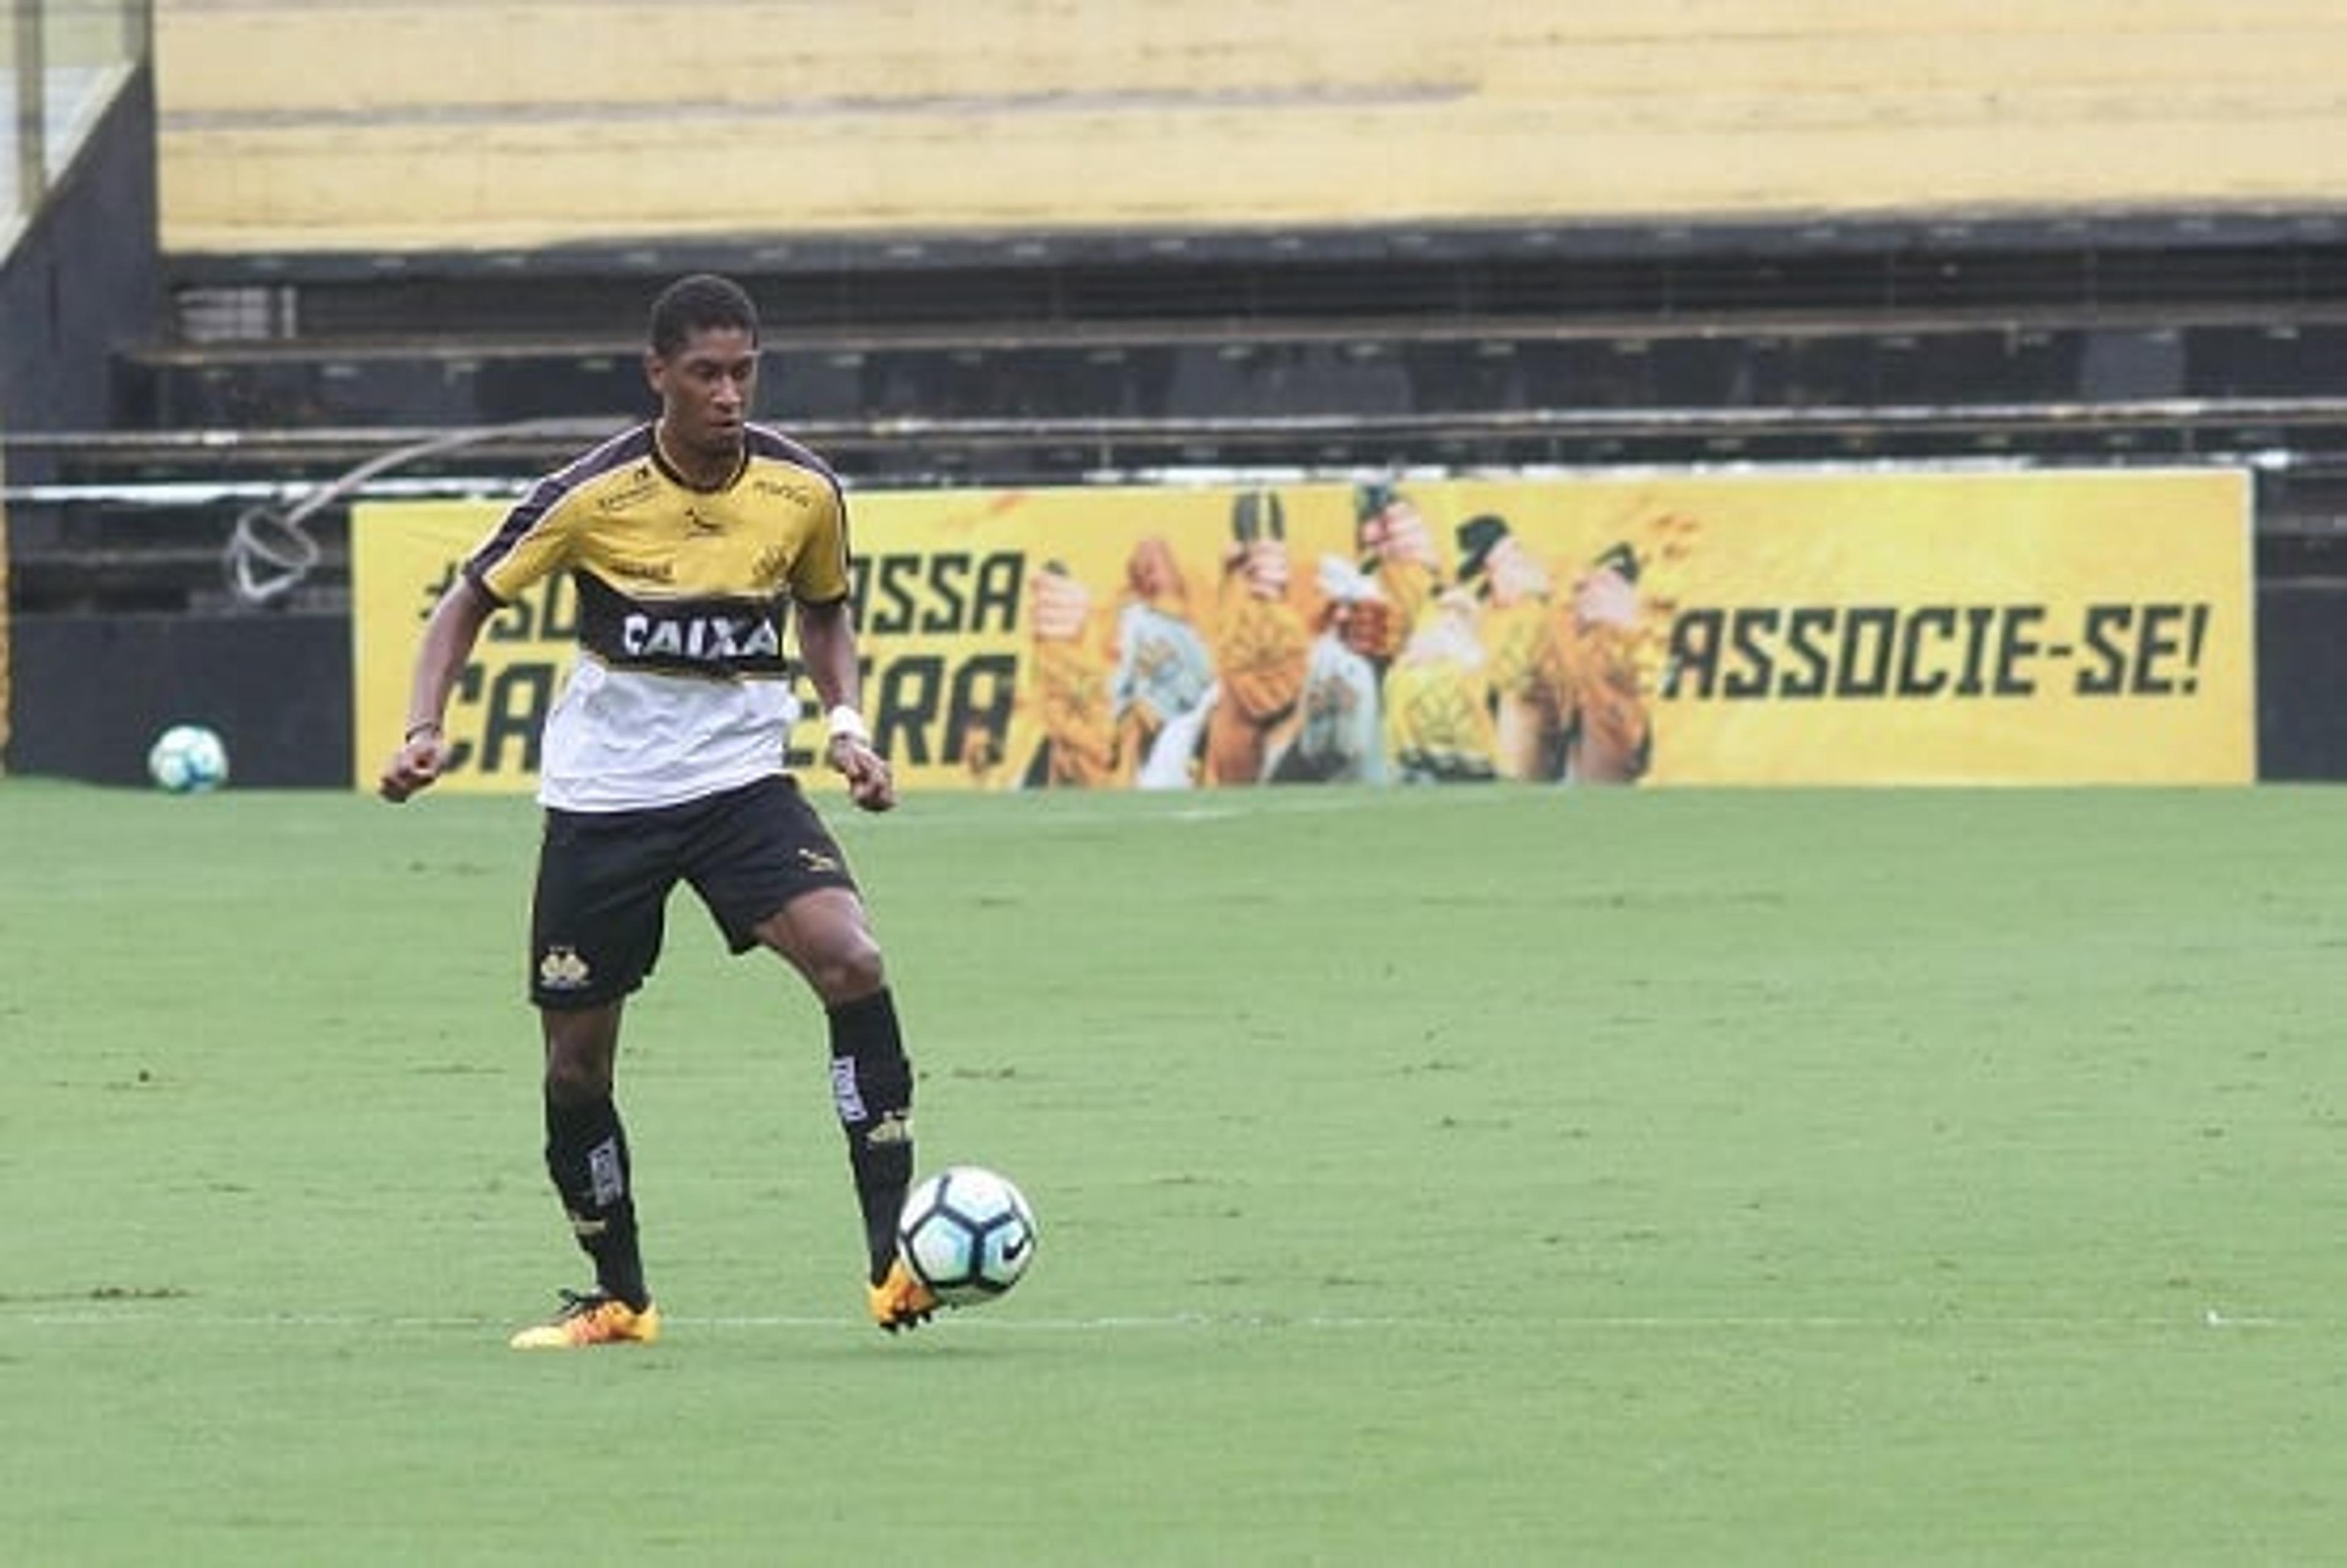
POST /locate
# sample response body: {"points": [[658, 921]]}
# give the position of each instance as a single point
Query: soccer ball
{"points": [[188, 758], [967, 1234]]}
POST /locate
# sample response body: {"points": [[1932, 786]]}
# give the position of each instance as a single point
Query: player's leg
{"points": [[825, 935], [773, 876], [595, 927], [587, 1146]]}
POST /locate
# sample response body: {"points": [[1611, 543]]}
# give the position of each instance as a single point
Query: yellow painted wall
{"points": [[428, 123]]}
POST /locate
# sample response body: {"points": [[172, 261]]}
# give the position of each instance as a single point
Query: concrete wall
{"points": [[83, 283]]}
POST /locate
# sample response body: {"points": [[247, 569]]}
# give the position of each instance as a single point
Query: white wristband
{"points": [[845, 720]]}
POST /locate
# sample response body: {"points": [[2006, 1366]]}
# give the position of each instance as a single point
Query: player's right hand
{"points": [[413, 767]]}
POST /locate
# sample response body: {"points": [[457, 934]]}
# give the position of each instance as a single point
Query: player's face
{"points": [[706, 390]]}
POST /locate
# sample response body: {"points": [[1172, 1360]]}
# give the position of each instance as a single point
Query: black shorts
{"points": [[604, 879]]}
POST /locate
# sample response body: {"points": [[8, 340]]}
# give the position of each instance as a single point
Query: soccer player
{"points": [[690, 540]]}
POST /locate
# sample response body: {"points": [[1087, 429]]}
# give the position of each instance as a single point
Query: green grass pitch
{"points": [[1474, 1176]]}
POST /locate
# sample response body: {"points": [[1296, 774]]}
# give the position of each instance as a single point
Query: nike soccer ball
{"points": [[967, 1234], [186, 758]]}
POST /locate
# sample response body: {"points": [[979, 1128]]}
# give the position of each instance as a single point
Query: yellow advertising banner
{"points": [[1787, 628]]}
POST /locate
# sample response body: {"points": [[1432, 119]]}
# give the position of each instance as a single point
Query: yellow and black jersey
{"points": [[684, 597]]}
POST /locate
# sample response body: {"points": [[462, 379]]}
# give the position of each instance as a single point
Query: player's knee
{"points": [[579, 1056], [848, 969], [570, 1081]]}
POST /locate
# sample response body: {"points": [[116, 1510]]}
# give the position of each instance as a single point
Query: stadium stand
{"points": [[406, 126], [1042, 240], [1244, 209]]}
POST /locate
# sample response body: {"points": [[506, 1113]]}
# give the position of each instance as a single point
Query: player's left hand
{"points": [[869, 783]]}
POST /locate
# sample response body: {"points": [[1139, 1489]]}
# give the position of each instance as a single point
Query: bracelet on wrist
{"points": [[427, 727]]}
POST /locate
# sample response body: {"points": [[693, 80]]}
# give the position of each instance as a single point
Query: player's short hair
{"points": [[699, 302]]}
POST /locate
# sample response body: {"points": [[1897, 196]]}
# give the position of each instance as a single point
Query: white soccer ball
{"points": [[188, 758], [967, 1233]]}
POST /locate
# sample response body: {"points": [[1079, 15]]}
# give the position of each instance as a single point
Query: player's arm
{"points": [[827, 649], [453, 626]]}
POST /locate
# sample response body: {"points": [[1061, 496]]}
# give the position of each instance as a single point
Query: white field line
{"points": [[1187, 807], [102, 1318]]}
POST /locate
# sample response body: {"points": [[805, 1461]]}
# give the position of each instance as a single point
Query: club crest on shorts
{"points": [[562, 969]]}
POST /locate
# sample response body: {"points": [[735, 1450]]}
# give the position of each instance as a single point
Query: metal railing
{"points": [[2202, 426], [277, 486]]}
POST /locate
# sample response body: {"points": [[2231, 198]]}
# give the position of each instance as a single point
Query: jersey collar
{"points": [[675, 474]]}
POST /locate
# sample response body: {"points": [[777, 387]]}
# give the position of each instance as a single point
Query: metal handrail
{"points": [[1244, 331], [414, 441]]}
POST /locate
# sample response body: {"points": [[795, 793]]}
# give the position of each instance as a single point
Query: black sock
{"points": [[587, 1155], [872, 1087]]}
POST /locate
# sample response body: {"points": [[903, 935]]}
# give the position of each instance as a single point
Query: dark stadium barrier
{"points": [[2302, 669], [92, 691]]}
